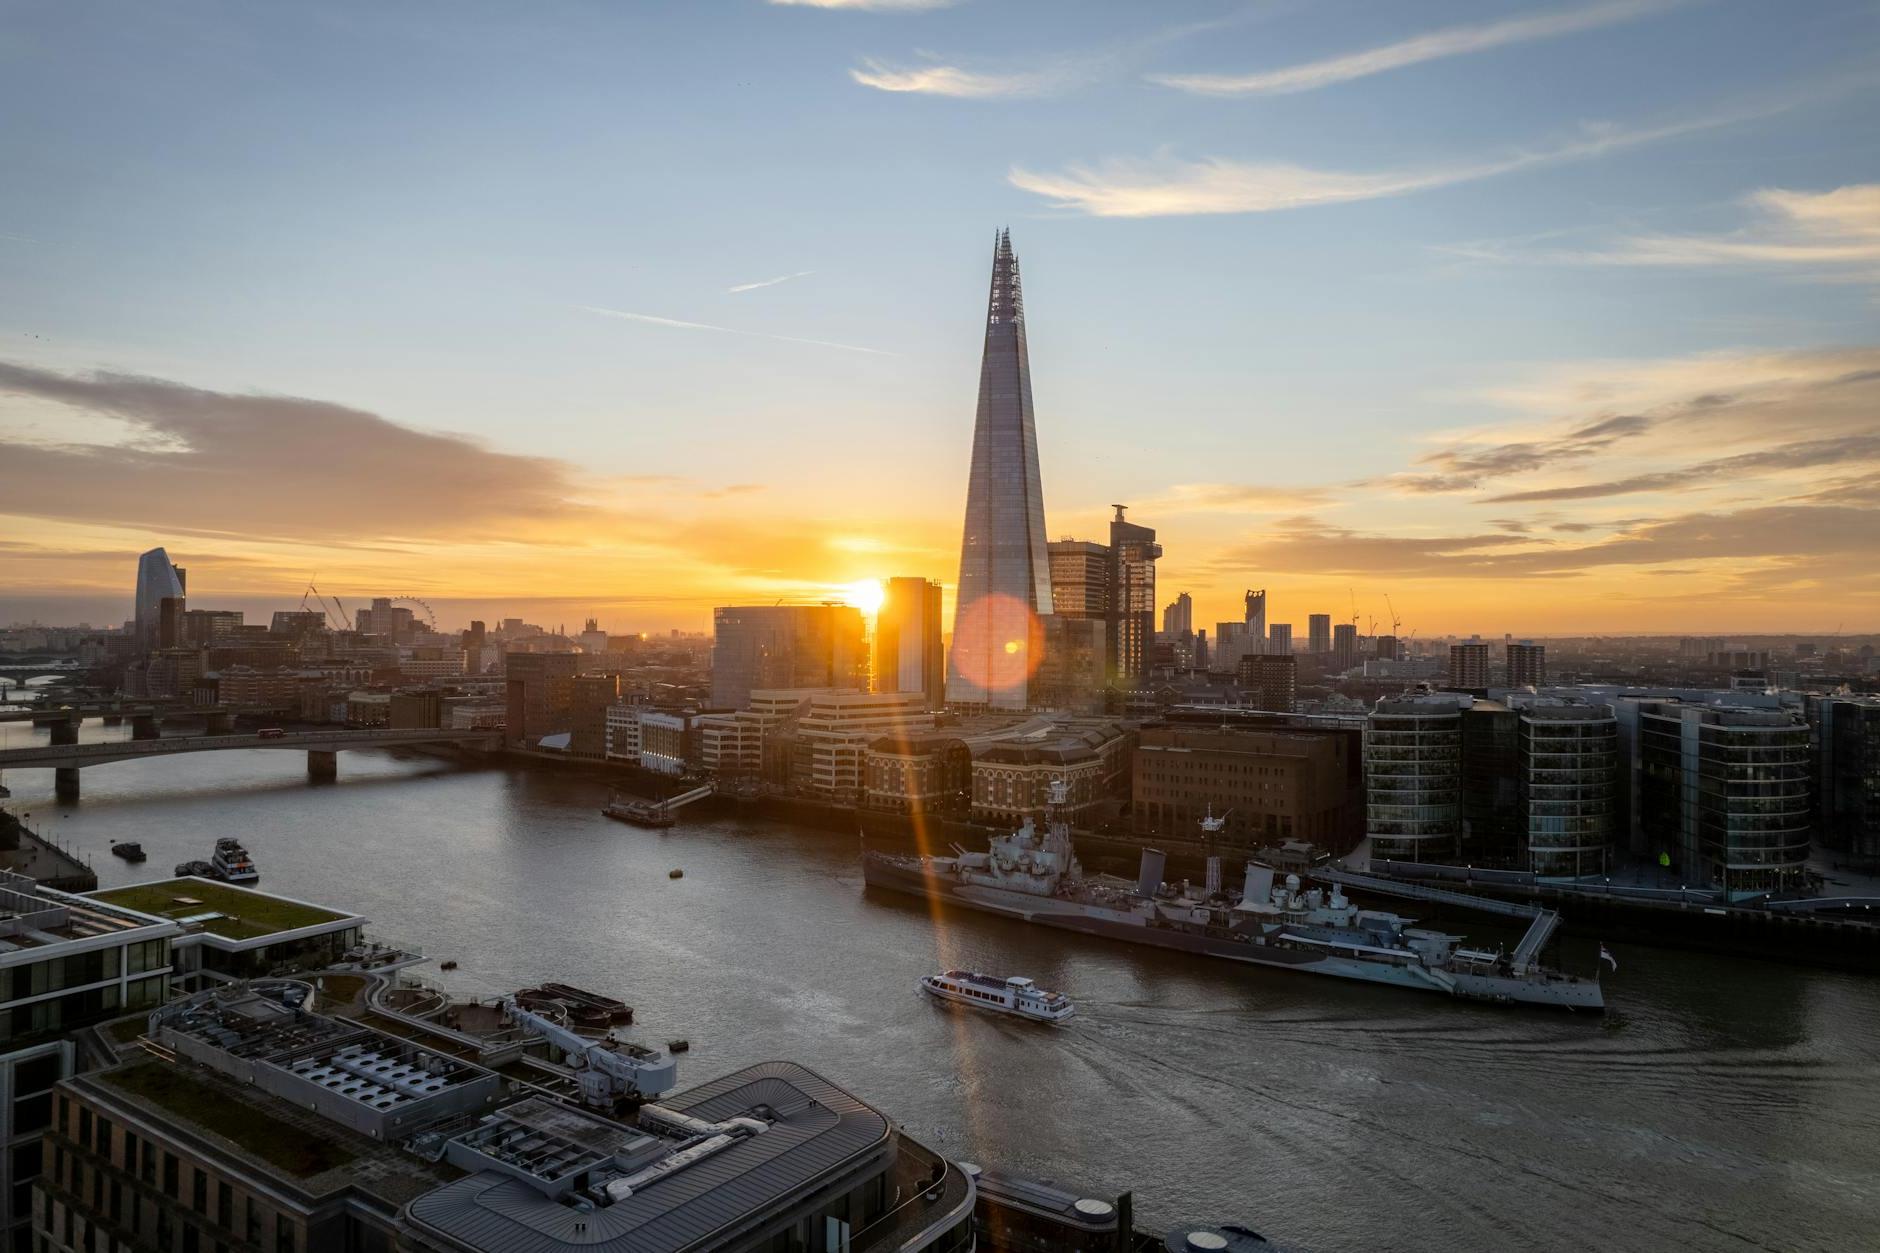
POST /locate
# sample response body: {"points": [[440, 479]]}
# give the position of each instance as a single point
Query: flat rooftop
{"points": [[672, 1192], [300, 1149], [222, 909], [33, 917]]}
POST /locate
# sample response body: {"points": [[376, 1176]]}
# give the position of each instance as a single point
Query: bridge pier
{"points": [[218, 723], [322, 765], [144, 726], [65, 783], [65, 730]]}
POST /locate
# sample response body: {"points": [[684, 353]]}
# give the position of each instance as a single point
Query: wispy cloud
{"points": [[882, 6], [965, 84], [1450, 42], [1835, 234], [1166, 186], [655, 320], [769, 282], [1238, 498]]}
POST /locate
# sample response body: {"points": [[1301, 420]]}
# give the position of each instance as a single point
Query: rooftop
{"points": [[33, 917], [701, 1166], [222, 909]]}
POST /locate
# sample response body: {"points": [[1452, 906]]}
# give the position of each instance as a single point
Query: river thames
{"points": [[1721, 1104]]}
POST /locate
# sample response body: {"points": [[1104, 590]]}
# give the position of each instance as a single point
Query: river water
{"points": [[1722, 1104]]}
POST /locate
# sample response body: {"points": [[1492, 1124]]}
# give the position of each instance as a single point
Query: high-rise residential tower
{"points": [[1319, 633], [907, 640], [157, 579], [1178, 616], [1256, 619], [1005, 580]]}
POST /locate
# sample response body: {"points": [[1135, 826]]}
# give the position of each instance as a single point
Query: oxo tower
{"points": [[1005, 577]]}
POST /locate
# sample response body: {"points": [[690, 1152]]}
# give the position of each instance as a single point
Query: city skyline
{"points": [[1573, 348]]}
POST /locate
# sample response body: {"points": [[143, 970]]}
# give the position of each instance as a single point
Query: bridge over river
{"points": [[322, 749]]}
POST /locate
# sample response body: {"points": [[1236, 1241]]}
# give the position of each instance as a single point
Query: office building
{"points": [[1468, 667], [591, 696], [1413, 779], [157, 578], [539, 688], [257, 1124], [1133, 554], [907, 648], [1847, 739], [785, 646], [1569, 787], [1269, 785], [1725, 792], [68, 961], [1178, 616], [668, 741], [1279, 639], [1319, 633], [833, 733], [1005, 581], [1344, 646], [1074, 672], [1269, 681], [1080, 578], [1527, 665]]}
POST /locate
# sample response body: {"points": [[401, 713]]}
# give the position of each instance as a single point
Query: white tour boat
{"points": [[1014, 995]]}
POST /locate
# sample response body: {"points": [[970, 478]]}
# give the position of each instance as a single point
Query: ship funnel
{"points": [[1214, 876], [1259, 887], [1154, 862]]}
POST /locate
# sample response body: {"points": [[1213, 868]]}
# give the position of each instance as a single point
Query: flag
{"points": [[1608, 957]]}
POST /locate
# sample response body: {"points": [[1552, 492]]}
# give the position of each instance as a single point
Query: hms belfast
{"points": [[1035, 876]]}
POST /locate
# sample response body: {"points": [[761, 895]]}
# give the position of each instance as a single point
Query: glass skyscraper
{"points": [[157, 578], [1005, 576]]}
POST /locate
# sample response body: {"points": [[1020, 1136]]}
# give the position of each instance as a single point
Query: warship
{"points": [[1035, 876]]}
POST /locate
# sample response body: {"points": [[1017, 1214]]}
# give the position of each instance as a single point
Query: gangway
{"points": [[686, 798], [1541, 929]]}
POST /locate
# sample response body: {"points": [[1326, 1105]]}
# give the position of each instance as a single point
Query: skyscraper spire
{"points": [[1005, 580]]}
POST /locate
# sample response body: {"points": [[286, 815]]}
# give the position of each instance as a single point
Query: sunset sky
{"points": [[1540, 318]]}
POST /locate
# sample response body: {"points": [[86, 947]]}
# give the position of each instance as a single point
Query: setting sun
{"points": [[865, 594]]}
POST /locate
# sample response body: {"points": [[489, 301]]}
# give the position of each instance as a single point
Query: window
{"points": [[199, 1196], [172, 1178]]}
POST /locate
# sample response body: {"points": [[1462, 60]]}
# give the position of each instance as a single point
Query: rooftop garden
{"points": [[245, 913]]}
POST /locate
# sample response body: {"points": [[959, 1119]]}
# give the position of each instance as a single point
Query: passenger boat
{"points": [[231, 862], [130, 850], [1013, 994]]}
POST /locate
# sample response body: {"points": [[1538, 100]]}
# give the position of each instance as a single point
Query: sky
{"points": [[1549, 318]]}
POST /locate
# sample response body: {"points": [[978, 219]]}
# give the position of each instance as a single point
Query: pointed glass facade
{"points": [[1005, 579], [157, 578]]}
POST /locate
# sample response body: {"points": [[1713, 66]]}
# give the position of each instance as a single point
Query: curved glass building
{"points": [[157, 578]]}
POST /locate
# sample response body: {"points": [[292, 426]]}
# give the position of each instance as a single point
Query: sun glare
{"points": [[865, 594]]}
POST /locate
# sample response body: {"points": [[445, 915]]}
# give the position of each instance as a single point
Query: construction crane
{"points": [[319, 599], [1396, 623], [607, 1072]]}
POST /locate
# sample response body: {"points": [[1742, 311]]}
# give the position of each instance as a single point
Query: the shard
{"points": [[1005, 577]]}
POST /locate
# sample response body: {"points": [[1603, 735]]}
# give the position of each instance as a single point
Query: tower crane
{"points": [[607, 1072], [1396, 623]]}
